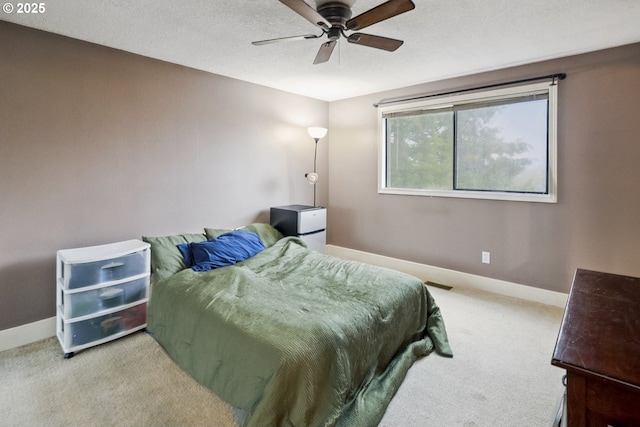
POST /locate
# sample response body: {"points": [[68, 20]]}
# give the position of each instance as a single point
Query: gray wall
{"points": [[595, 224], [98, 145]]}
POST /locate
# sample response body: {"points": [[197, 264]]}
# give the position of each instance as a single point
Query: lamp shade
{"points": [[317, 132], [312, 178]]}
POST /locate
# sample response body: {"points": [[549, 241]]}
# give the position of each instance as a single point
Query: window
{"points": [[498, 144]]}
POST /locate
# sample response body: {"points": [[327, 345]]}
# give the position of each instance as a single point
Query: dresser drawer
{"points": [[103, 327], [81, 274], [76, 304]]}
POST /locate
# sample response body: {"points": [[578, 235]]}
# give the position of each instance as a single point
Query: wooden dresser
{"points": [[599, 346]]}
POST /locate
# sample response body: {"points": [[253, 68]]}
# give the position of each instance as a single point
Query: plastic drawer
{"points": [[102, 327], [78, 275], [87, 302]]}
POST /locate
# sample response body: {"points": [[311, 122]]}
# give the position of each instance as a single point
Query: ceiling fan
{"points": [[334, 19]]}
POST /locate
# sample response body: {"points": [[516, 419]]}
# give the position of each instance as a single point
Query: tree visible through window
{"points": [[420, 151], [491, 145]]}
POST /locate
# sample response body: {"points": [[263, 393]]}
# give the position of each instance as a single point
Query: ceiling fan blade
{"points": [[325, 52], [285, 39], [379, 13], [378, 42], [307, 12]]}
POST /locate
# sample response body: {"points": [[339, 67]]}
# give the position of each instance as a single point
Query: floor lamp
{"points": [[316, 133]]}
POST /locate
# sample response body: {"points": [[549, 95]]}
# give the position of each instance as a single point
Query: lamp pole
{"points": [[315, 157], [316, 133]]}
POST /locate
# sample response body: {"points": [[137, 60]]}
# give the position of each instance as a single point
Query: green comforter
{"points": [[297, 338]]}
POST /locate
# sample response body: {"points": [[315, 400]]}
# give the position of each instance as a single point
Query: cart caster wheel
{"points": [[69, 355]]}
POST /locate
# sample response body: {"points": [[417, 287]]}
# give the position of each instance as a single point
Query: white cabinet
{"points": [[307, 222], [101, 293]]}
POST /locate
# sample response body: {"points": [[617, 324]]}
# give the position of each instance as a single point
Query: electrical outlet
{"points": [[486, 257]]}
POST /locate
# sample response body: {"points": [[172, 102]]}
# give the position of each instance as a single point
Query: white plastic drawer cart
{"points": [[102, 293]]}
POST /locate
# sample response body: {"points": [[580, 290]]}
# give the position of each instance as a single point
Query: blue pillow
{"points": [[185, 250], [226, 249]]}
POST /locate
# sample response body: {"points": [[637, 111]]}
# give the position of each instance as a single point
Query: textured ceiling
{"points": [[443, 38]]}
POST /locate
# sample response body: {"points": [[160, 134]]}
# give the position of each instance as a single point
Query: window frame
{"points": [[447, 102]]}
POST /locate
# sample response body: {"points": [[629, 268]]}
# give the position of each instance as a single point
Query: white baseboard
{"points": [[453, 278], [26, 334]]}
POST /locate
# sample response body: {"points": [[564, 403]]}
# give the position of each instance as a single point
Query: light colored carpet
{"points": [[500, 375], [127, 382]]}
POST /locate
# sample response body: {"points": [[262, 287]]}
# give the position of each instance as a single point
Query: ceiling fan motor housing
{"points": [[336, 13]]}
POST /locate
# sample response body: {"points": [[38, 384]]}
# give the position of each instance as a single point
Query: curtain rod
{"points": [[553, 77]]}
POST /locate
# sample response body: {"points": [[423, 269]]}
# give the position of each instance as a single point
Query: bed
{"points": [[289, 336]]}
